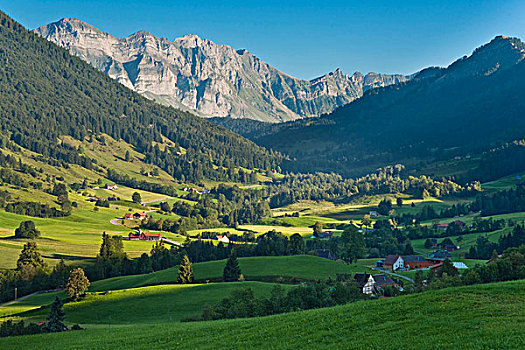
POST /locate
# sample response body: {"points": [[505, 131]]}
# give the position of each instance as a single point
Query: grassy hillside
{"points": [[253, 268], [146, 305], [476, 317]]}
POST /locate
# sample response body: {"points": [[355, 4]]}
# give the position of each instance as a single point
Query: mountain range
{"points": [[213, 80], [475, 104]]}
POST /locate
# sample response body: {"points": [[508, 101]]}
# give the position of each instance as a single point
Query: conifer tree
{"points": [[185, 271], [55, 320], [232, 271]]}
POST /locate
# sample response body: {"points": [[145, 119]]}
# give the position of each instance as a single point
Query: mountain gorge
{"points": [[471, 106], [213, 80]]}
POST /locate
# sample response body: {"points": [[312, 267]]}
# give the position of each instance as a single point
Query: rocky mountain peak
{"points": [[213, 80]]}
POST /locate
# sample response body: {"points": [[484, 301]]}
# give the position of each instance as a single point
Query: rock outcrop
{"points": [[214, 80]]}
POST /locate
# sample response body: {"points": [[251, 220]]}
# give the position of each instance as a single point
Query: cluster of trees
{"points": [[483, 249], [499, 162], [54, 324], [391, 179], [72, 101], [501, 202], [510, 266], [35, 209], [417, 231], [27, 229], [242, 302], [207, 213], [32, 274], [384, 240]]}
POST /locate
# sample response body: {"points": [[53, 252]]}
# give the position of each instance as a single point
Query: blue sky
{"points": [[305, 38]]}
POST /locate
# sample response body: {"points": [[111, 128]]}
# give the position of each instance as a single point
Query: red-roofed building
{"points": [[140, 216], [147, 236], [128, 216]]}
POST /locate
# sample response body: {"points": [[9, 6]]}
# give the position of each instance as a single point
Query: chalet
{"points": [[113, 199], [393, 262], [128, 216], [371, 284], [450, 247], [96, 199], [139, 216], [374, 214], [442, 227], [111, 187], [398, 262], [223, 239]]}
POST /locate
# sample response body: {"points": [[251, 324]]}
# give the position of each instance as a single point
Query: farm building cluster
{"points": [[410, 262]]}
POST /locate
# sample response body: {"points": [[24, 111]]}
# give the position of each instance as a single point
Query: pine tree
{"points": [[232, 271], [77, 283], [185, 271], [56, 317]]}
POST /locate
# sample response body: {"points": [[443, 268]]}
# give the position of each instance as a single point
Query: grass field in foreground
{"points": [[145, 305], [253, 268], [487, 316]]}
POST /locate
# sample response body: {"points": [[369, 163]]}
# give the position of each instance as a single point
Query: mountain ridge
{"points": [[214, 80], [472, 106]]}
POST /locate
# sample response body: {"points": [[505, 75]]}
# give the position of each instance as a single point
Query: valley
{"points": [[363, 211]]}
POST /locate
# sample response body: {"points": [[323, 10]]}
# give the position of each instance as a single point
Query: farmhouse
{"points": [[144, 236], [371, 284], [393, 262], [111, 187], [128, 216], [223, 239], [398, 262], [416, 262], [140, 216], [374, 214]]}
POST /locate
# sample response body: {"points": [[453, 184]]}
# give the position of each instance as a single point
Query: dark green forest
{"points": [[46, 93], [473, 106]]}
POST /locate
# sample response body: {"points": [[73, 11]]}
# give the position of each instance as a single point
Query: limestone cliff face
{"points": [[214, 80]]}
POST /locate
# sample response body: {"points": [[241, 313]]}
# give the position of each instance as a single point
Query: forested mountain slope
{"points": [[46, 94], [476, 103], [214, 80]]}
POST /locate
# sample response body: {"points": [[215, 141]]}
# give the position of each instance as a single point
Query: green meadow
{"points": [[489, 316]]}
